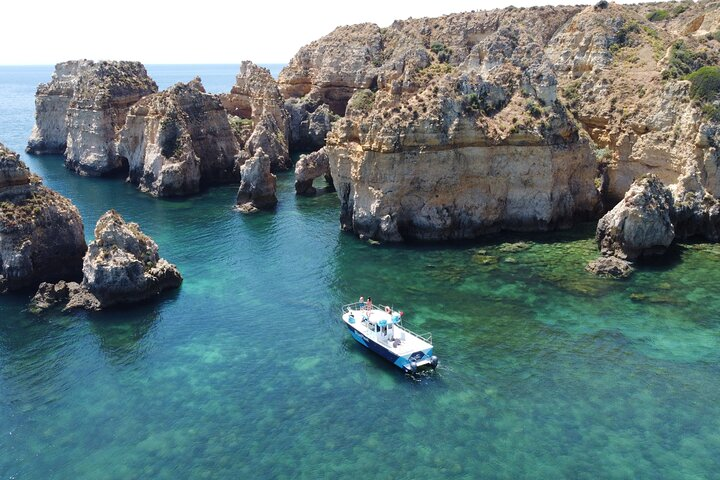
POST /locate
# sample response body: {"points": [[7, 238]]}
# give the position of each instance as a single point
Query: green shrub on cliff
{"points": [[682, 61], [705, 84], [443, 53], [362, 100], [658, 15]]}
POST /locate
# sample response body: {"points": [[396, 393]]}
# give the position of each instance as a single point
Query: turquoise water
{"points": [[245, 372]]}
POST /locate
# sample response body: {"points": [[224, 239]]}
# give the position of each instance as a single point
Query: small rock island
{"points": [[122, 265]]}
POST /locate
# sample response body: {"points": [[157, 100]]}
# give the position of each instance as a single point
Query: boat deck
{"points": [[402, 343]]}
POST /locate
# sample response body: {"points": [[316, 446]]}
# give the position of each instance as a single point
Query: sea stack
{"points": [[122, 265], [257, 189], [41, 232], [255, 98], [639, 226], [177, 141], [81, 110]]}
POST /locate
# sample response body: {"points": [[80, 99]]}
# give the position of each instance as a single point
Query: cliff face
{"points": [[81, 110], [41, 232], [508, 119], [177, 141], [622, 74]]}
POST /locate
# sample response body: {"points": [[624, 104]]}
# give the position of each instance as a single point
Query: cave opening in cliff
{"points": [[123, 168]]}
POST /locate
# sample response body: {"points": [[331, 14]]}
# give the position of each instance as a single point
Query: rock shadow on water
{"points": [[672, 257], [122, 331]]}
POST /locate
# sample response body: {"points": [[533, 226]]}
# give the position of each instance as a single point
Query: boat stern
{"points": [[417, 361]]}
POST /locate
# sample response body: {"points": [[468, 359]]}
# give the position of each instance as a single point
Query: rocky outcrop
{"points": [[41, 232], [255, 97], [641, 224], [621, 75], [310, 122], [329, 70], [177, 141], [695, 211], [461, 144], [122, 265], [308, 168], [429, 102], [257, 189], [81, 110], [50, 295]]}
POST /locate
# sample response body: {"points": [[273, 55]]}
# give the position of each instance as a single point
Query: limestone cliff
{"points": [[104, 93], [41, 232], [82, 109], [49, 135], [621, 71], [510, 119], [177, 141]]}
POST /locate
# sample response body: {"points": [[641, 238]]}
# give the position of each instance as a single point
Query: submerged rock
{"points": [[641, 224], [610, 267], [177, 141], [257, 189], [308, 168], [41, 232]]}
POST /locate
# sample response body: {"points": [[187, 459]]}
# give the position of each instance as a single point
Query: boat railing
{"points": [[381, 308]]}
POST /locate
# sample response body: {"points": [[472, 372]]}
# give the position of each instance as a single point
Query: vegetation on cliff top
{"points": [[705, 88]]}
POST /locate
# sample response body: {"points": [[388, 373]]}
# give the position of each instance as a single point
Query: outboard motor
{"points": [[434, 361], [413, 367]]}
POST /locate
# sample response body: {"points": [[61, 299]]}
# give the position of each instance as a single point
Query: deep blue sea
{"points": [[246, 373]]}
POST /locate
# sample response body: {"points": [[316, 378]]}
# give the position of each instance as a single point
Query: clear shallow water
{"points": [[546, 372]]}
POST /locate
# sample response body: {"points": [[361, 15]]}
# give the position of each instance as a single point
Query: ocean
{"points": [[246, 372]]}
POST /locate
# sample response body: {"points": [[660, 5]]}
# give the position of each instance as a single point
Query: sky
{"points": [[202, 31]]}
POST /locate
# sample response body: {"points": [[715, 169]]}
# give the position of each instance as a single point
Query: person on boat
{"points": [[361, 302], [368, 304]]}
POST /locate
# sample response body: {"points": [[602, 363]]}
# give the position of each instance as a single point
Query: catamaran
{"points": [[379, 328]]}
